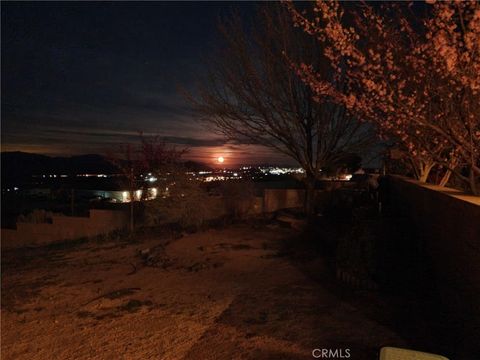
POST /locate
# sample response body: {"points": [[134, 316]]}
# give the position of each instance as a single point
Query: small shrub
{"points": [[356, 253], [188, 204], [37, 216]]}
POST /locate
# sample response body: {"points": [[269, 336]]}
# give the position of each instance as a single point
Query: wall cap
{"points": [[457, 194]]}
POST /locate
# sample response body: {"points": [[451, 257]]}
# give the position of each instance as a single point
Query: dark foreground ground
{"points": [[231, 293]]}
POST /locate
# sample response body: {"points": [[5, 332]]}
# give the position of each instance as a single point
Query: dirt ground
{"points": [[221, 294]]}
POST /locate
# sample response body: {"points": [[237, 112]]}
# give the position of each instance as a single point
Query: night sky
{"points": [[81, 78]]}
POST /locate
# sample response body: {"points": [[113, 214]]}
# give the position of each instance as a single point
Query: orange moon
{"points": [[221, 159]]}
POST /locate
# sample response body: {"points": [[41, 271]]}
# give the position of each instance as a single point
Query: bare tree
{"points": [[159, 157], [151, 155], [252, 94], [129, 162]]}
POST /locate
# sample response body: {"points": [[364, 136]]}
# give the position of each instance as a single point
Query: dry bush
{"points": [[37, 216], [187, 204]]}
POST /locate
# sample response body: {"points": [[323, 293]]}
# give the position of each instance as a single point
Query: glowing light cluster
{"points": [[281, 170], [137, 195]]}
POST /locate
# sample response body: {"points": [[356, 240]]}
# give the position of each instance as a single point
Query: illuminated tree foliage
{"points": [[416, 78], [253, 95]]}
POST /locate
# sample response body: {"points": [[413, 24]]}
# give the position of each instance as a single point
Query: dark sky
{"points": [[81, 77]]}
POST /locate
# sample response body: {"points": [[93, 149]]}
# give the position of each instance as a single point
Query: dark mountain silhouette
{"points": [[20, 166], [196, 166]]}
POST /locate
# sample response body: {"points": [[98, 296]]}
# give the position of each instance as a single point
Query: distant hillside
{"points": [[19, 166], [196, 166]]}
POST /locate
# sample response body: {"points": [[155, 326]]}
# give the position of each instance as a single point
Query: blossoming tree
{"points": [[417, 78]]}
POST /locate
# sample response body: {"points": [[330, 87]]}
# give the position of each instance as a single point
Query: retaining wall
{"points": [[64, 228], [276, 199], [447, 222], [104, 221]]}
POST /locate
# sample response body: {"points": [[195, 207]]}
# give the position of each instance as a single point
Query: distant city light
{"points": [[281, 171], [154, 193], [214, 178]]}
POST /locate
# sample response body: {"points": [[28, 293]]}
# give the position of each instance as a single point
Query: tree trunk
{"points": [[72, 202], [473, 183], [425, 172], [445, 178], [310, 196], [132, 225]]}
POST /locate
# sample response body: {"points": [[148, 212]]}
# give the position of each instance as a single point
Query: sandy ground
{"points": [[220, 294]]}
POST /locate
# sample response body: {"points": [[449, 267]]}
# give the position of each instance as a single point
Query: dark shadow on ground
{"points": [[406, 298]]}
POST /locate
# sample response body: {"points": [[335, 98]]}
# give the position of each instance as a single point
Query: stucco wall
{"points": [[448, 223], [64, 228], [276, 199], [104, 221]]}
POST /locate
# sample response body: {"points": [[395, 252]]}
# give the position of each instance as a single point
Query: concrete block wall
{"points": [[447, 222], [104, 221], [64, 228], [276, 199]]}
